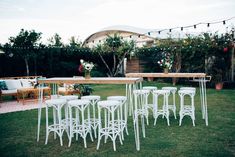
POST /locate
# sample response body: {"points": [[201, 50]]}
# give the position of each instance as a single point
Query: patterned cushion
{"points": [[3, 85]]}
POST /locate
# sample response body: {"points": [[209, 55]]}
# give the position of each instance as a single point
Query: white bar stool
{"points": [[80, 126], [187, 109], [140, 109], [109, 126], [93, 105], [57, 127], [163, 110], [150, 105], [172, 106], [65, 121], [124, 113]]}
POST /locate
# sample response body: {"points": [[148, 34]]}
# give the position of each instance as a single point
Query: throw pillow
{"points": [[3, 85]]}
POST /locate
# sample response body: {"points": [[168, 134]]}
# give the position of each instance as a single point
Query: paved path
{"points": [[14, 106]]}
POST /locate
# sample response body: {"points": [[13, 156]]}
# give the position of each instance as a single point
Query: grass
{"points": [[18, 132]]}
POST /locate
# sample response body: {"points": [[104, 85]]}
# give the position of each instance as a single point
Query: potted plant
{"points": [[84, 89], [218, 79], [166, 62], [87, 67]]}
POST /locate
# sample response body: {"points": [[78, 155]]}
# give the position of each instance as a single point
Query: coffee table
{"points": [[23, 93]]}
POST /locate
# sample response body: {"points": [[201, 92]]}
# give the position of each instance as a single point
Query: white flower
{"points": [[89, 66], [86, 65]]}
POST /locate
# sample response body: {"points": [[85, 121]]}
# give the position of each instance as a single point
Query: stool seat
{"points": [[141, 91], [56, 101], [161, 91], [108, 103], [149, 88], [91, 97], [172, 89], [187, 91], [69, 97], [78, 102], [119, 98], [188, 88]]}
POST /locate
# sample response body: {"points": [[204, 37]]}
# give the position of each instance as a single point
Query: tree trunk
{"points": [[106, 65], [35, 66], [114, 64], [120, 63], [177, 66], [27, 66], [232, 63]]}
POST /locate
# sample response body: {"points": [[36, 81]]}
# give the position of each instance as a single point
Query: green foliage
{"points": [[27, 40], [55, 41], [84, 89], [112, 53], [210, 53], [74, 43]]}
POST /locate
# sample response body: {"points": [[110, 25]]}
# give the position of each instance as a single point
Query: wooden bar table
{"points": [[131, 84], [201, 77]]}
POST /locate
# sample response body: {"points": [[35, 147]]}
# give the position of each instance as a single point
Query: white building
{"points": [[140, 36]]}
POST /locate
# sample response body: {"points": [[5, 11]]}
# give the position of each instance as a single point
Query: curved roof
{"points": [[118, 29]]}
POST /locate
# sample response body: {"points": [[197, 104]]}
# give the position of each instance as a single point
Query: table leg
{"points": [[40, 100], [23, 96], [202, 84], [205, 102]]}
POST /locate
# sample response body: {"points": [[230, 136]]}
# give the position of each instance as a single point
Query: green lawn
{"points": [[18, 132]]}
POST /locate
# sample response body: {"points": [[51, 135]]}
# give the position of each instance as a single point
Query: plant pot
{"points": [[150, 79], [165, 71], [219, 85], [87, 74]]}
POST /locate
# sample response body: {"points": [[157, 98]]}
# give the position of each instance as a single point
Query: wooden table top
{"points": [[28, 89], [163, 75], [92, 80]]}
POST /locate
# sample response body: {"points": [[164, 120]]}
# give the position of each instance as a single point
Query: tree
{"points": [[115, 48], [55, 41], [74, 43], [25, 42]]}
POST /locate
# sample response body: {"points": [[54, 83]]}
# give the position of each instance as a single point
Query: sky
{"points": [[81, 18]]}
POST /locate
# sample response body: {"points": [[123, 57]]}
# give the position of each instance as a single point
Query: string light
{"points": [[195, 25]]}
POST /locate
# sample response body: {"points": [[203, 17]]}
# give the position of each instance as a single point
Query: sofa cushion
{"points": [[26, 83], [11, 91], [13, 84], [3, 85]]}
